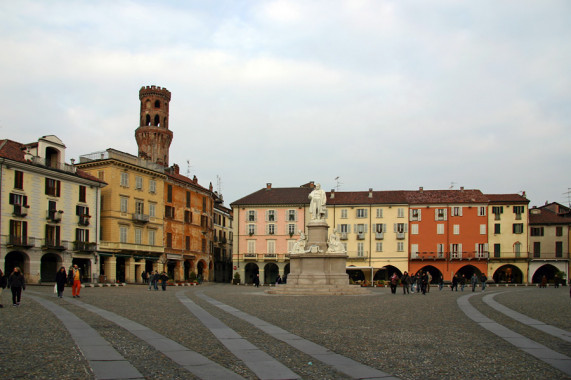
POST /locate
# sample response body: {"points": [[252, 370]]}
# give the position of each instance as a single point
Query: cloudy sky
{"points": [[389, 95]]}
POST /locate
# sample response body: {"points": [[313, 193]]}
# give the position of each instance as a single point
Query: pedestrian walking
{"points": [[150, 279], [405, 280], [429, 280], [257, 280], [278, 280], [543, 282], [454, 283], [144, 276], [75, 278], [16, 283], [462, 282], [474, 281], [483, 279], [61, 280], [156, 280], [424, 282], [394, 283], [441, 282], [3, 283], [418, 281], [164, 279]]}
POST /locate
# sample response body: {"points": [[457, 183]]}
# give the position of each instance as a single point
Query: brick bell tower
{"points": [[153, 135]]}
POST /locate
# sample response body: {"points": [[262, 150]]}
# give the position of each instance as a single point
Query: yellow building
{"points": [[49, 211], [132, 211], [507, 237], [373, 226]]}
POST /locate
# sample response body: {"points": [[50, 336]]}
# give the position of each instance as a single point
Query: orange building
{"points": [[188, 227], [448, 232]]}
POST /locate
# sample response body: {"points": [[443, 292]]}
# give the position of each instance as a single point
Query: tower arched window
{"points": [[157, 104], [157, 120], [148, 104], [148, 120]]}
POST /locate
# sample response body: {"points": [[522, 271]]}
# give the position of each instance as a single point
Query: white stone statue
{"points": [[317, 203], [299, 246], [334, 244]]}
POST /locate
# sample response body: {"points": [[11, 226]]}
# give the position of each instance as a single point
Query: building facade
{"points": [[222, 241], [49, 211]]}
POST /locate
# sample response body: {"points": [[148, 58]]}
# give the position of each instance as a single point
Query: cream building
{"points": [[50, 211]]}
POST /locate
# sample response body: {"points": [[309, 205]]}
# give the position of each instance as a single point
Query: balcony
{"points": [[250, 256], [140, 218], [53, 244], [84, 220], [84, 246], [343, 236], [20, 211], [271, 256], [428, 256], [20, 241], [469, 255], [360, 236], [401, 235], [54, 165], [54, 216], [379, 235]]}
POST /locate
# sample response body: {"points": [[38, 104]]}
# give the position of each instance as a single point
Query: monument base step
{"points": [[319, 290]]}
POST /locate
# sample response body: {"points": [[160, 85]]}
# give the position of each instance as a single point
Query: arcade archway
{"points": [[250, 271], [547, 270], [271, 272], [49, 265], [508, 274]]}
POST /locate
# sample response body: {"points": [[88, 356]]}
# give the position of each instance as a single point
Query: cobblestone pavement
{"points": [[409, 337]]}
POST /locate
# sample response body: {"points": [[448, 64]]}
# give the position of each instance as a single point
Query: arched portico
{"points": [[508, 274], [547, 270], [271, 271], [250, 271], [435, 273], [49, 265], [17, 259]]}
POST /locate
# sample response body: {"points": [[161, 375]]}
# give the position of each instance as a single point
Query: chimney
{"points": [[332, 195], [523, 194], [421, 189], [268, 186], [461, 188], [194, 179], [311, 184], [370, 192], [176, 168]]}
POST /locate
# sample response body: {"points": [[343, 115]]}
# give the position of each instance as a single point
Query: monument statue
{"points": [[334, 244], [317, 203], [299, 245]]}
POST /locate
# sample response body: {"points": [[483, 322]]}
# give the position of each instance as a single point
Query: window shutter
{"points": [[460, 211], [486, 247], [25, 200], [12, 198], [267, 215], [435, 214], [366, 211], [58, 188], [405, 228], [24, 229], [419, 214], [445, 214], [77, 211], [384, 227], [451, 248], [395, 227], [460, 248]]}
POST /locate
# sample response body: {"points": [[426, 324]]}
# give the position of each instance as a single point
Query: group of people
{"points": [[154, 277], [15, 282], [420, 282]]}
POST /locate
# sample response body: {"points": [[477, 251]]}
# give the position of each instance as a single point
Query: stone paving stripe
{"points": [[341, 363], [104, 360], [190, 360], [262, 364], [553, 358], [522, 318]]}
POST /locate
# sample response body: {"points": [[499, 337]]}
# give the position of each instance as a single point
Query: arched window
{"points": [[157, 120], [148, 104], [157, 104], [148, 120]]}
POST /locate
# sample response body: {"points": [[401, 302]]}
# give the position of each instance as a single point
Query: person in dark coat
{"points": [[454, 283], [61, 280], [16, 283], [164, 278], [3, 283]]}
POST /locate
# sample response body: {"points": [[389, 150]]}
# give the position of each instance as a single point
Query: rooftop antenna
{"points": [[452, 185], [568, 193], [188, 168], [337, 183], [218, 184]]}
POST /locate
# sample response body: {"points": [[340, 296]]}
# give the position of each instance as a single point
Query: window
{"points": [[440, 214], [187, 216], [139, 183], [497, 211], [123, 202], [52, 236], [169, 240], [169, 193], [536, 231], [82, 193], [400, 246], [360, 249], [482, 229], [139, 206], [152, 237], [414, 229], [456, 211], [518, 210], [18, 180], [379, 213], [400, 212], [482, 211], [360, 228], [271, 229], [379, 247], [251, 229], [344, 213], [517, 249], [497, 228], [18, 232], [517, 228], [251, 246], [497, 250], [292, 216], [361, 213], [455, 251], [456, 229], [53, 187], [291, 229], [440, 250], [271, 246], [188, 199], [204, 204], [81, 235], [20, 203], [536, 249], [415, 215], [169, 212], [125, 179], [138, 235], [558, 231], [440, 229], [101, 175], [290, 244], [152, 186], [481, 251], [187, 243], [123, 234], [152, 209], [251, 216], [271, 216], [558, 249]]}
